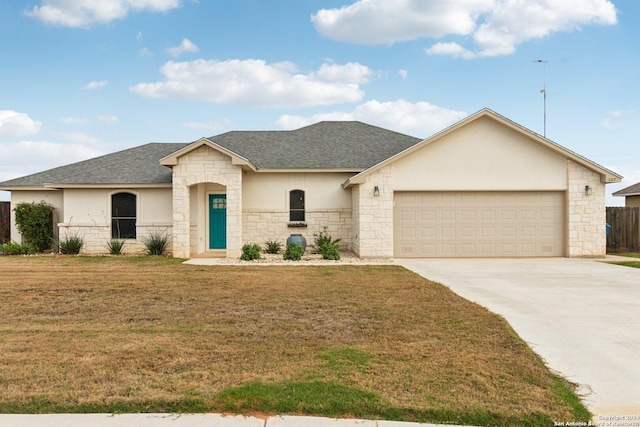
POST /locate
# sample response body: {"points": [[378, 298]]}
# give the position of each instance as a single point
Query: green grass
{"points": [[634, 264], [631, 255], [148, 334]]}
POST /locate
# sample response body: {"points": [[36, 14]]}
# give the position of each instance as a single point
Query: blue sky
{"points": [[81, 78]]}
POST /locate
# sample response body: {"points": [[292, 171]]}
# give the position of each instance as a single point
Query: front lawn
{"points": [[94, 334]]}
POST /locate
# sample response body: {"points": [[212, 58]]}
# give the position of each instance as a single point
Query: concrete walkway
{"points": [[580, 315], [189, 420]]}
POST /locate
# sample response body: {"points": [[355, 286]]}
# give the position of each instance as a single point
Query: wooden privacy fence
{"points": [[5, 221], [625, 230]]}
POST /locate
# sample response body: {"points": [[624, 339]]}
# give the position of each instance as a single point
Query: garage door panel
{"points": [[483, 224]]}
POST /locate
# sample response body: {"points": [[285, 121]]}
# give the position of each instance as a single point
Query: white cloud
{"points": [[403, 74], [619, 119], [109, 120], [144, 52], [452, 49], [209, 126], [419, 119], [96, 85], [185, 46], [73, 120], [387, 22], [253, 82], [77, 137], [496, 27], [84, 13], [348, 73], [14, 124]]}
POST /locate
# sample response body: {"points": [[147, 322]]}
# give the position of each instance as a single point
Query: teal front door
{"points": [[217, 221]]}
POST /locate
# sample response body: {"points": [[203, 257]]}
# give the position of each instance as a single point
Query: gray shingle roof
{"points": [[325, 145], [138, 165], [632, 190]]}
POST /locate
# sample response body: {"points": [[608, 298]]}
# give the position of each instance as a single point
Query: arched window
{"points": [[123, 216], [296, 205]]}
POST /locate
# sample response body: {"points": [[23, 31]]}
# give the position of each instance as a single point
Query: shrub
{"points": [[272, 247], [326, 245], [13, 248], [35, 224], [115, 246], [72, 244], [156, 243], [321, 239], [294, 252], [330, 251], [250, 252]]}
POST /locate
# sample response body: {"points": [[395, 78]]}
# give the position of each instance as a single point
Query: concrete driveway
{"points": [[581, 316]]}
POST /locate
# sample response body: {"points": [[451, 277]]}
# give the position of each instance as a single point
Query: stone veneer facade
{"points": [[586, 213], [96, 237], [259, 226], [206, 165], [373, 216]]}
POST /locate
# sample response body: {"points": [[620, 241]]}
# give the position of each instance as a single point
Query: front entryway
{"points": [[217, 221]]}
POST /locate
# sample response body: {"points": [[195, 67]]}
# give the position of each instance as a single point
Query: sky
{"points": [[82, 78]]}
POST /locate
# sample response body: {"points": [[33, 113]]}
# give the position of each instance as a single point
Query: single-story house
{"points": [[483, 187], [631, 195]]}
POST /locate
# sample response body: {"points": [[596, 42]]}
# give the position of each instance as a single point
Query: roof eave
{"points": [[309, 170], [26, 188], [54, 186], [621, 194]]}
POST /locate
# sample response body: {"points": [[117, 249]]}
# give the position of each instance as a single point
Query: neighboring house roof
{"points": [[352, 146], [138, 165], [632, 190], [607, 176], [344, 145]]}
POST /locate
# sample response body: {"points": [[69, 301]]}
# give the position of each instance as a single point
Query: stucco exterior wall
{"points": [[200, 166], [632, 201], [53, 198], [87, 213], [373, 228], [483, 155], [266, 206], [586, 213]]}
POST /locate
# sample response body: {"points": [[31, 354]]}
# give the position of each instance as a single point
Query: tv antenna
{"points": [[543, 91]]}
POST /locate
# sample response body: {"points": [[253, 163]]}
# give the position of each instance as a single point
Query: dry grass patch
{"points": [[135, 334]]}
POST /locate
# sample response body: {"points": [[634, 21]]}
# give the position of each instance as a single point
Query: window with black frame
{"points": [[123, 216], [296, 205]]}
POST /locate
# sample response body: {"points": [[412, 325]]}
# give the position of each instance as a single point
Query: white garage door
{"points": [[478, 224]]}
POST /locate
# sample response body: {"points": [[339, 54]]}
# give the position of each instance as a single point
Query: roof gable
{"points": [[607, 176], [172, 159]]}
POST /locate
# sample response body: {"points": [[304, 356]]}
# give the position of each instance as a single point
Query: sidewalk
{"points": [[190, 420]]}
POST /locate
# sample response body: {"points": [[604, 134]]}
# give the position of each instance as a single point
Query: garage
{"points": [[479, 224]]}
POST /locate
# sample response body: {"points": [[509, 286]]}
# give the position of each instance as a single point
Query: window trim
{"points": [[295, 211], [115, 218]]}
